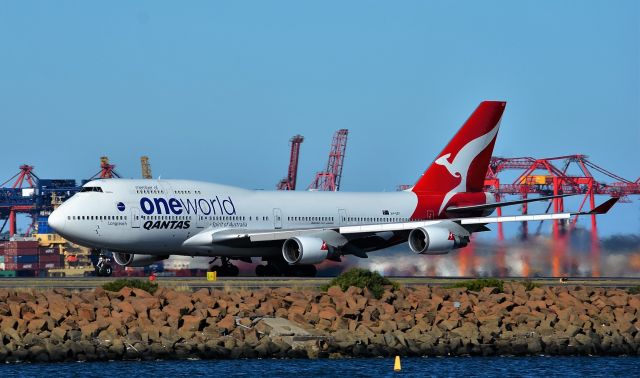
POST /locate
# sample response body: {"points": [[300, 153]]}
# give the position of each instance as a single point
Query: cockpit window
{"points": [[91, 189]]}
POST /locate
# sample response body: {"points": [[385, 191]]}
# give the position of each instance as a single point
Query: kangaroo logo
{"points": [[459, 167]]}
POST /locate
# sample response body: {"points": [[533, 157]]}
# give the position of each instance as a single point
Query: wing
{"points": [[491, 206], [339, 236]]}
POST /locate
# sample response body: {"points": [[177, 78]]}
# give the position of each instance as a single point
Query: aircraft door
{"points": [[277, 218], [202, 221], [342, 217], [135, 217]]}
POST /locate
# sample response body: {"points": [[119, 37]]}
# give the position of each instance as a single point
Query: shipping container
{"points": [[18, 266], [20, 252], [43, 225], [50, 258], [21, 259], [50, 265], [7, 273], [57, 183], [21, 244], [47, 251]]}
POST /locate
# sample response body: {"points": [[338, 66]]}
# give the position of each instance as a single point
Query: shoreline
{"points": [[97, 325]]}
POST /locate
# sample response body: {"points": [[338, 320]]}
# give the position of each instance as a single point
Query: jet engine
{"points": [[438, 239], [301, 250], [136, 260]]}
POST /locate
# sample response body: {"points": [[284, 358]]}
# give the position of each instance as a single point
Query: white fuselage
{"points": [[156, 216]]}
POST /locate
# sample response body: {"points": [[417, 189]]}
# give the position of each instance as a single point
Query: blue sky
{"points": [[214, 90]]}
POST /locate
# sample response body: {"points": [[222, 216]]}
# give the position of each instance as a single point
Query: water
{"points": [[565, 367]]}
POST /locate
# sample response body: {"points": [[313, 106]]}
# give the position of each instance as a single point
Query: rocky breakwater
{"points": [[59, 325]]}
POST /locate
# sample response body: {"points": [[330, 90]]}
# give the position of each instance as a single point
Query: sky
{"points": [[213, 90]]}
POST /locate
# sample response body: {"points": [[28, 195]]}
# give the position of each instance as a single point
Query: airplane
{"points": [[145, 221]]}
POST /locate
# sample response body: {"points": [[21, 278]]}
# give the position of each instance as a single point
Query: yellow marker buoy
{"points": [[396, 364]]}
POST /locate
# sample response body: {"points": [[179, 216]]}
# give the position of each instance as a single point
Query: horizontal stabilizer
{"points": [[605, 206], [463, 209]]}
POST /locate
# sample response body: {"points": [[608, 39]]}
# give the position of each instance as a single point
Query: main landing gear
{"points": [[276, 268], [225, 269]]}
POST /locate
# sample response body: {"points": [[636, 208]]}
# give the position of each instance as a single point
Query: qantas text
{"points": [[178, 206], [166, 225]]}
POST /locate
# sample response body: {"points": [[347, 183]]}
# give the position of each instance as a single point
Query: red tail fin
{"points": [[462, 165]]}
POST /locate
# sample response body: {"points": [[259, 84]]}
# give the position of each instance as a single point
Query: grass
{"points": [[117, 285], [530, 285], [362, 278], [479, 284]]}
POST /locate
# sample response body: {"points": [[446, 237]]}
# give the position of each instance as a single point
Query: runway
{"points": [[191, 283]]}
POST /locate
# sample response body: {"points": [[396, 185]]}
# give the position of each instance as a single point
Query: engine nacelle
{"points": [[437, 239], [300, 250], [136, 260]]}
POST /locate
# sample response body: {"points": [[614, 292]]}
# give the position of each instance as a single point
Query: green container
{"points": [[7, 273], [1, 259]]}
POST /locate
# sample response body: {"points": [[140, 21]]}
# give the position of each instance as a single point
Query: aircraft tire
{"points": [[226, 270]]}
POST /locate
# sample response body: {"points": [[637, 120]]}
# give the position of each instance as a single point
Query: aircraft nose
{"points": [[57, 220]]}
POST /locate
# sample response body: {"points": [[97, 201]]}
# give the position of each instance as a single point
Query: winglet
{"points": [[604, 207]]}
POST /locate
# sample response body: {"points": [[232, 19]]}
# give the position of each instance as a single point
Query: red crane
{"points": [[289, 182], [106, 170], [553, 181], [12, 202], [545, 177], [329, 179]]}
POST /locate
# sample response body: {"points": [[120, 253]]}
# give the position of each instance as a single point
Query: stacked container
{"points": [[49, 258], [21, 255], [2, 254]]}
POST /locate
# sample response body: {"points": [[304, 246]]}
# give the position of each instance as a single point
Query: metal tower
{"points": [[329, 179], [14, 200], [106, 170], [289, 182], [146, 167]]}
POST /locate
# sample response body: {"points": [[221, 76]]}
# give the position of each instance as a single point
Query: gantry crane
{"points": [[289, 182], [146, 167], [329, 179]]}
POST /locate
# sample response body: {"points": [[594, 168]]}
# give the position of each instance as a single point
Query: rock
{"points": [[228, 323], [125, 307], [58, 333], [619, 300], [139, 293], [297, 310], [87, 314], [449, 324], [192, 323], [534, 346], [468, 332], [328, 313], [38, 353], [37, 325], [335, 291], [89, 331]]}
